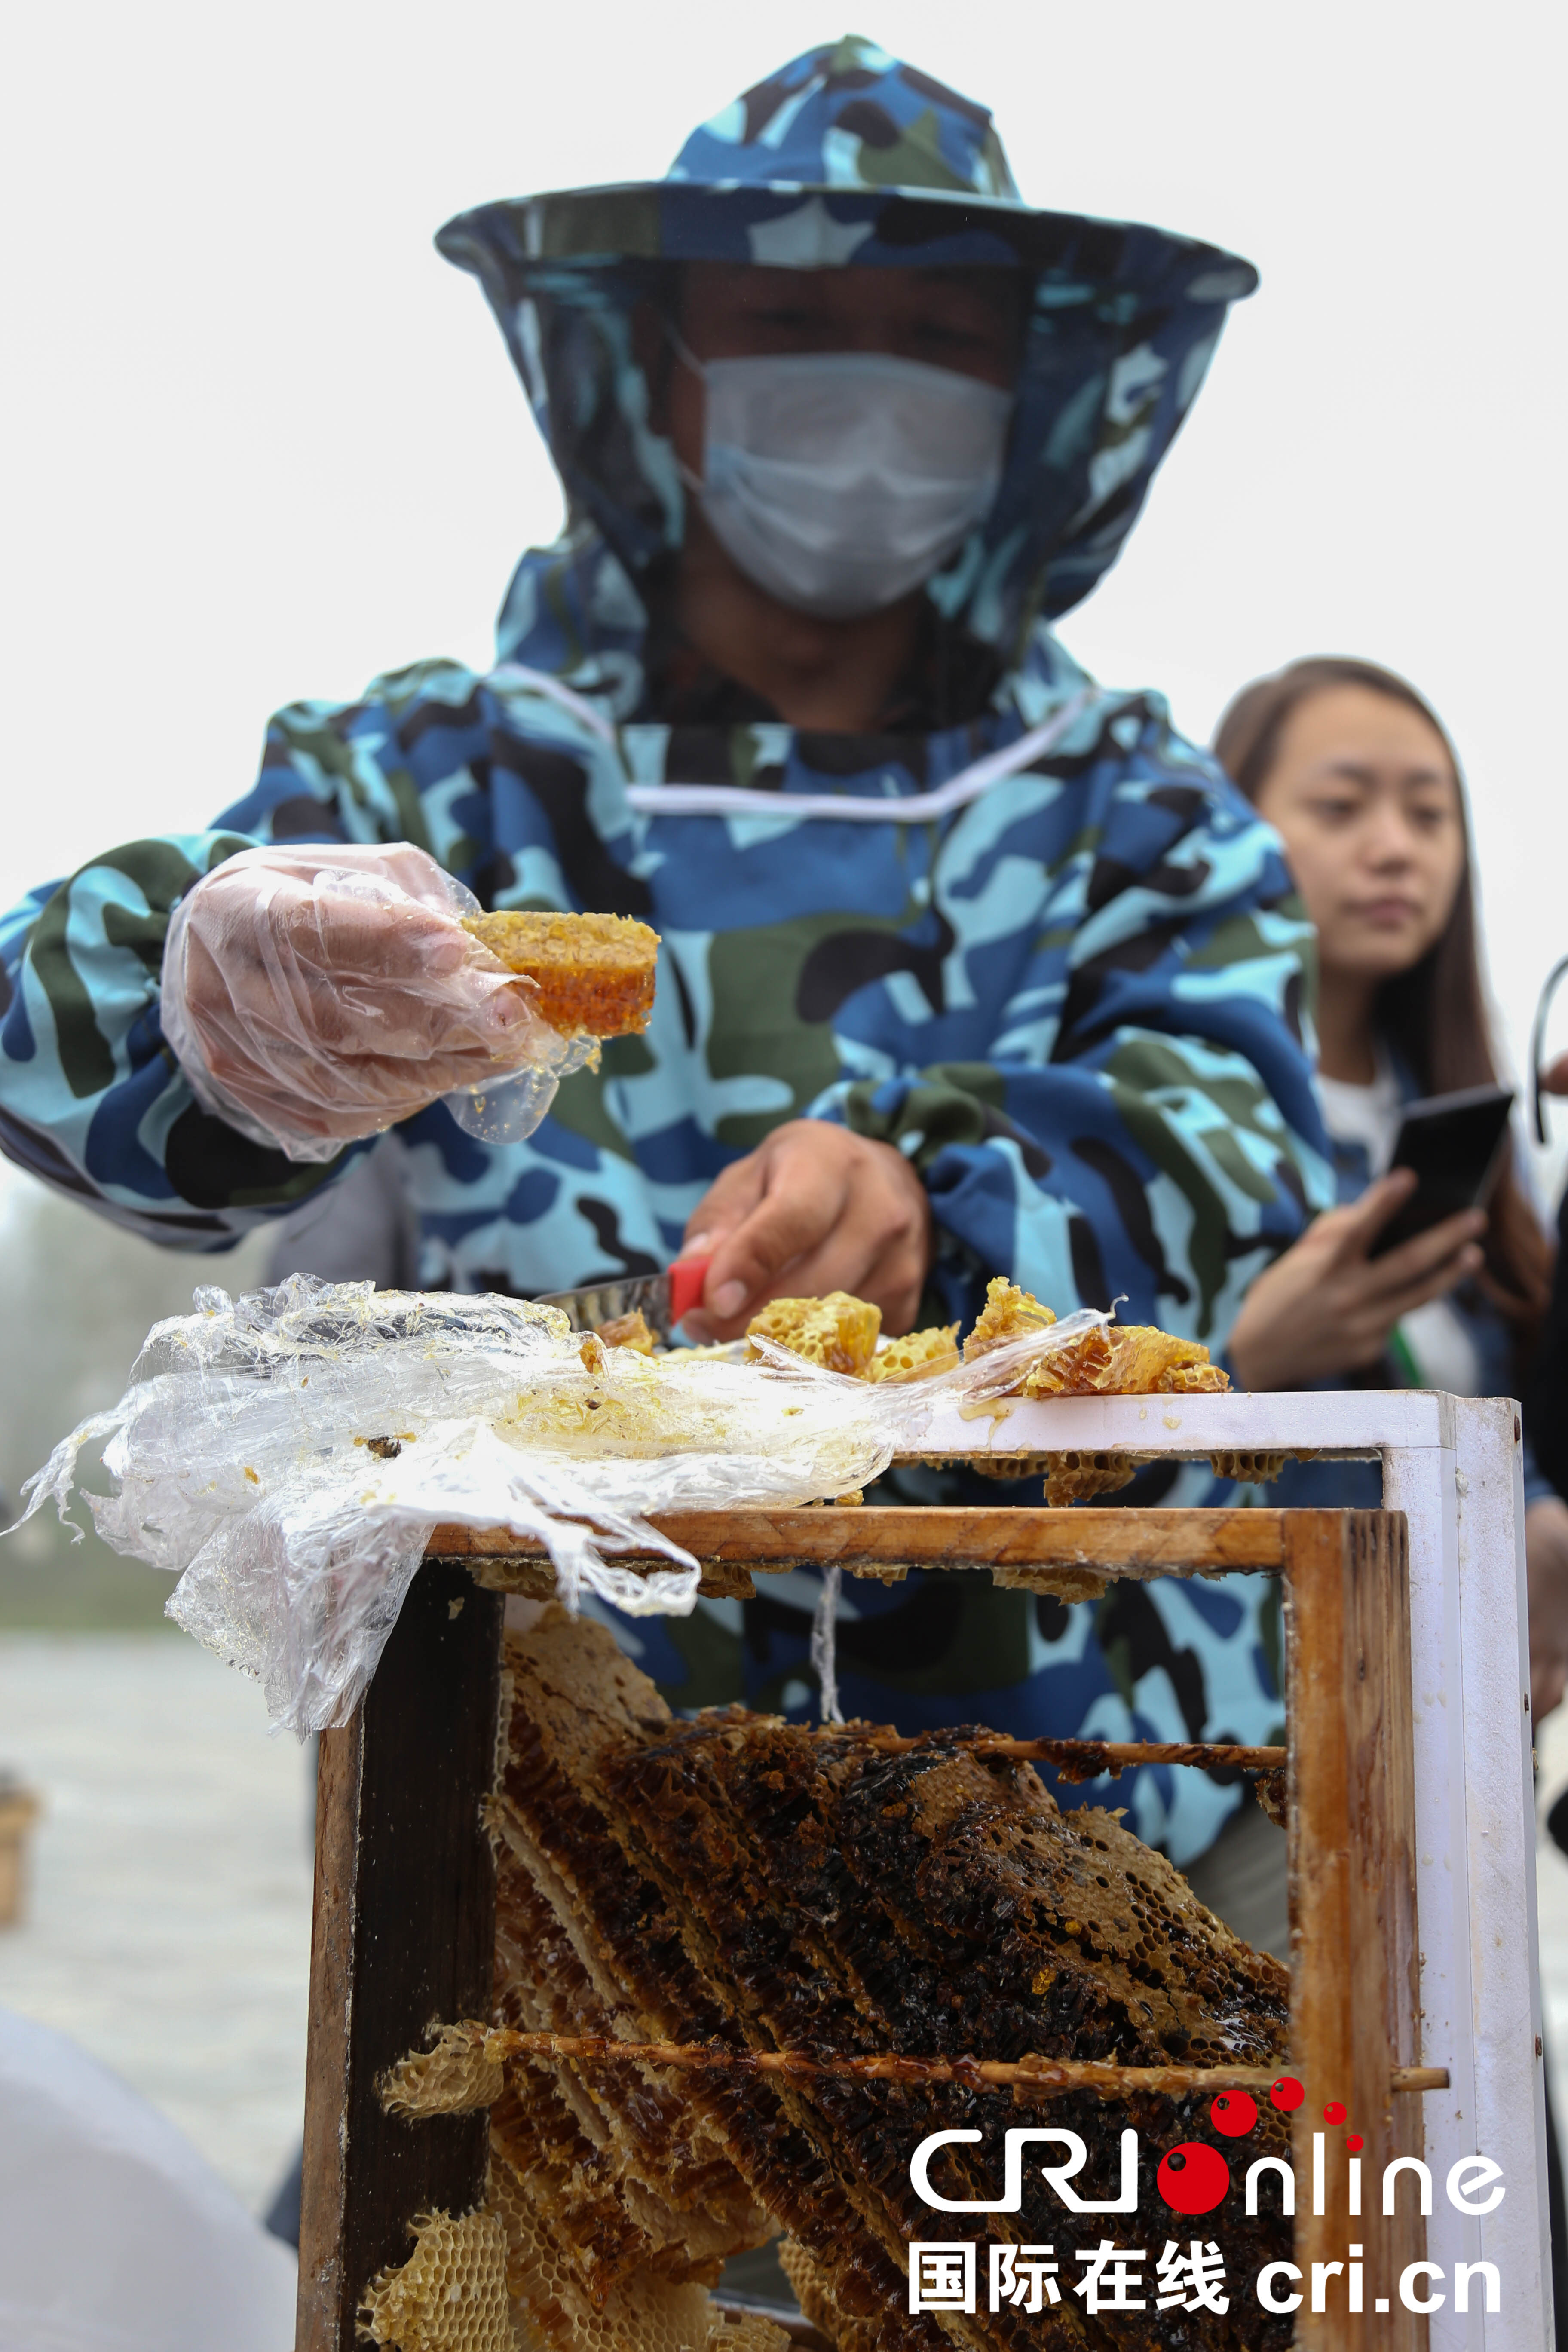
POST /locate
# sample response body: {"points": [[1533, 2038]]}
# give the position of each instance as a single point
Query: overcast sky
{"points": [[260, 442]]}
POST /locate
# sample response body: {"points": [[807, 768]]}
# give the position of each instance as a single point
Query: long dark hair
{"points": [[1434, 1015]]}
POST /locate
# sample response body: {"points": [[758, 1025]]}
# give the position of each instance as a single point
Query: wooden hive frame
{"points": [[1411, 1824]]}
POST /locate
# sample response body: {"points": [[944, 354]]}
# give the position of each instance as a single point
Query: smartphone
{"points": [[1456, 1144]]}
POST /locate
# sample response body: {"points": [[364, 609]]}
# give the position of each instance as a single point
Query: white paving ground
{"points": [[169, 1921], [169, 1925]]}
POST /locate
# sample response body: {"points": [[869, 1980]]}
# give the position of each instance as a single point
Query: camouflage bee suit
{"points": [[1024, 933]]}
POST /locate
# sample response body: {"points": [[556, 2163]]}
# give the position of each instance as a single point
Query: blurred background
{"points": [[261, 443]]}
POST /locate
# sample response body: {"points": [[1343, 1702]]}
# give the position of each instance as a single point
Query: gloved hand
{"points": [[317, 994]]}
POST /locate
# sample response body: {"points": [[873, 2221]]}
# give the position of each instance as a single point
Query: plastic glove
{"points": [[316, 995]]}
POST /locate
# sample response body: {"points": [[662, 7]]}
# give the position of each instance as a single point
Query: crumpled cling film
{"points": [[289, 1453]]}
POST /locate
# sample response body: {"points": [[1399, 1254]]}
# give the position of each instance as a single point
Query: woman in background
{"points": [[1354, 770]]}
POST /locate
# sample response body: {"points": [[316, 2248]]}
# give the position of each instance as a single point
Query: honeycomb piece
{"points": [[1064, 1584], [745, 2331], [627, 1331], [918, 1356], [450, 2295], [837, 1331], [582, 2197], [1011, 1465], [1248, 1469], [455, 2075], [1272, 1791], [1127, 1360], [1150, 1362], [1081, 1367], [814, 2293], [643, 2314], [634, 2129], [1130, 1360], [1009, 1313], [1077, 1476], [594, 974]]}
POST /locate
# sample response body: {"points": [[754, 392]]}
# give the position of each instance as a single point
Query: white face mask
{"points": [[839, 480]]}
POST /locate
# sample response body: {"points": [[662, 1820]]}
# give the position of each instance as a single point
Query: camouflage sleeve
{"points": [[91, 1100], [1143, 1126]]}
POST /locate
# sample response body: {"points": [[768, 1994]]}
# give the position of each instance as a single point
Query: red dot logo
{"points": [[1356, 2143], [1233, 2113], [1193, 2179], [1335, 2113], [1287, 2094]]}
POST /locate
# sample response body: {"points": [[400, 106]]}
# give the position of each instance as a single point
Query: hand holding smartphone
{"points": [[1455, 1144]]}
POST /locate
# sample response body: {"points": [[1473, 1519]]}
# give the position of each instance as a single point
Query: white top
{"points": [[1365, 1114], [1435, 1335]]}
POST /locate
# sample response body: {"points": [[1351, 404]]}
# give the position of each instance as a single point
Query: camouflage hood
{"points": [[845, 156]]}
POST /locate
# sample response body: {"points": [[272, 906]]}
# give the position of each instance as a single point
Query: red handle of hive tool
{"points": [[687, 1276]]}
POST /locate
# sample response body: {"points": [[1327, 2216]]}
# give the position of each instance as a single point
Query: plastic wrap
{"points": [[317, 995], [289, 1453]]}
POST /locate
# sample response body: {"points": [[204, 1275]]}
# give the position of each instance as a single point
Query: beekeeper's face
{"points": [[970, 322], [842, 430]]}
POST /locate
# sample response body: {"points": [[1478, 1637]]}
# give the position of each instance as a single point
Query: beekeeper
{"points": [[969, 966]]}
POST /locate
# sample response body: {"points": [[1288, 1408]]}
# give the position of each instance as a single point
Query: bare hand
{"points": [[813, 1209], [1546, 1570], [1326, 1307]]}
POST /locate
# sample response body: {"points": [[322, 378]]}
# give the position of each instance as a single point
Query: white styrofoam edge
{"points": [[1352, 1423]]}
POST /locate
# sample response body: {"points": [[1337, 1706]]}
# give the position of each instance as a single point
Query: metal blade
{"points": [[605, 1302]]}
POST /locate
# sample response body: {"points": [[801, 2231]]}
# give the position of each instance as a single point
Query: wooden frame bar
{"points": [[1105, 1543], [404, 1933], [1355, 1983]]}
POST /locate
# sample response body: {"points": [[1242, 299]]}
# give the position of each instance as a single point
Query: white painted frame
{"points": [[1453, 1465]]}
